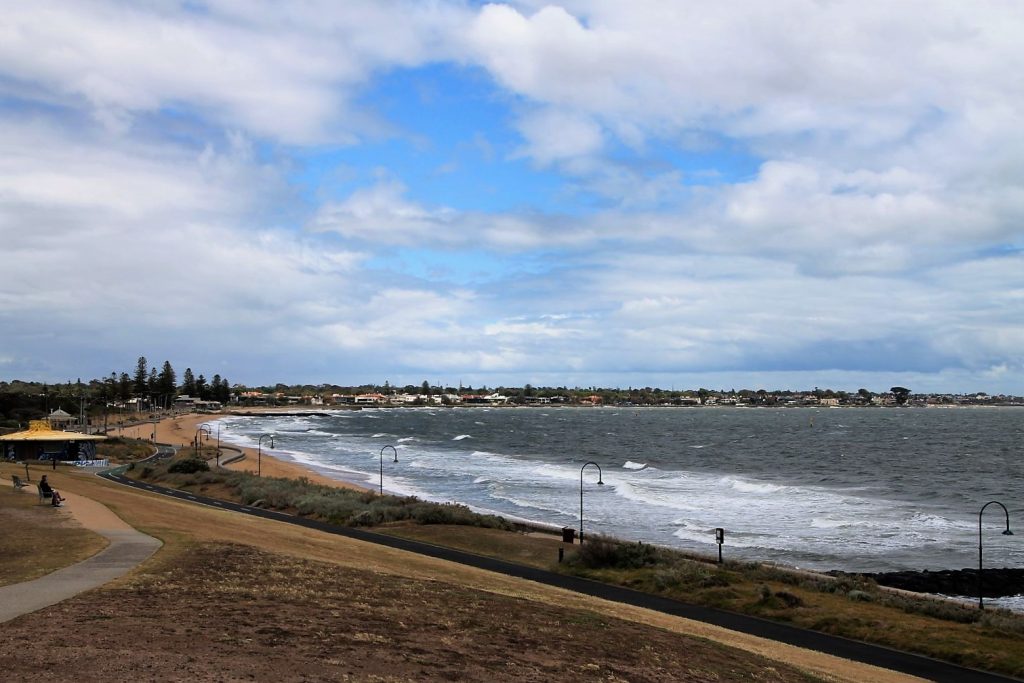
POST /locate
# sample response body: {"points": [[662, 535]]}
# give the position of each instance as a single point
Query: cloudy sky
{"points": [[735, 194]]}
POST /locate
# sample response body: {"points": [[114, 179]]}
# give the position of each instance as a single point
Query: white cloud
{"points": [[151, 191], [380, 213], [281, 72], [554, 135]]}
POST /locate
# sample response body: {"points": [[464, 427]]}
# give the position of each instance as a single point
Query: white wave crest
{"points": [[460, 437], [630, 465]]}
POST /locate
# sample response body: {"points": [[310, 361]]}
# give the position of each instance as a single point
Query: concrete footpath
{"points": [[128, 548]]}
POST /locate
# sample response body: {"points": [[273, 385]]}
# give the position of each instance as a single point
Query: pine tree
{"points": [[124, 387], [167, 383], [224, 393], [202, 391], [188, 383], [141, 375]]}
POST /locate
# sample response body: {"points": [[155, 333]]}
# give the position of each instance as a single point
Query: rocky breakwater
{"points": [[996, 582]]}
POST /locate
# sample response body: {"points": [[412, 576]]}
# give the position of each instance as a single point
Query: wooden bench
{"points": [[18, 483]]}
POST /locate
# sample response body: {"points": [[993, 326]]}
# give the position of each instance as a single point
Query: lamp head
{"points": [[599, 482], [1007, 533]]}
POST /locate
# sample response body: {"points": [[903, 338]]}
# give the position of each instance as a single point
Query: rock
{"points": [[996, 582]]}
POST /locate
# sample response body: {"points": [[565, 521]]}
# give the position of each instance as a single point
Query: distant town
{"points": [[526, 396], [151, 390]]}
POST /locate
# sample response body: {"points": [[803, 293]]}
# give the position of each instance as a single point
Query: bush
{"points": [[188, 466], [334, 505], [600, 552]]}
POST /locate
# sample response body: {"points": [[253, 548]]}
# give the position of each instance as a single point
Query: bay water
{"points": [[856, 489]]}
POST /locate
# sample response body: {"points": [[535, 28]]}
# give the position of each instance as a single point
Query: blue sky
{"points": [[598, 193]]}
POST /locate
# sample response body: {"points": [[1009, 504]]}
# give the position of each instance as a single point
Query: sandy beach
{"points": [[181, 431]]}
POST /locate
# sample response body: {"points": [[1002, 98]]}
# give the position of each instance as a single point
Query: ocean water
{"points": [[849, 489]]}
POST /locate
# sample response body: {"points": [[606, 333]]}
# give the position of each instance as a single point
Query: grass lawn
{"points": [[38, 538]]}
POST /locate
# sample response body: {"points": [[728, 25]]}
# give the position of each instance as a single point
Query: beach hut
{"points": [[41, 442]]}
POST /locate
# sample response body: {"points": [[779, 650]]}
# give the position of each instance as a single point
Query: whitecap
{"points": [[630, 465], [460, 437]]}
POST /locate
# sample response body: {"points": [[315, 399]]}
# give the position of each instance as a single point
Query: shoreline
{"points": [[180, 430]]}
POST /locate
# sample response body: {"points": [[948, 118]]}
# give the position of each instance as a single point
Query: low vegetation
{"points": [[847, 605], [120, 449], [345, 507]]}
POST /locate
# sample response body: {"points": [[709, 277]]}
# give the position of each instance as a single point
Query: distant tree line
{"points": [[21, 402]]}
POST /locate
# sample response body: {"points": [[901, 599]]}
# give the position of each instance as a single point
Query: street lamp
{"points": [[599, 482], [382, 465], [259, 452], [198, 438], [981, 597]]}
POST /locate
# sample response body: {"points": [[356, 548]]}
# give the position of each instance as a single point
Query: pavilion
{"points": [[40, 442]]}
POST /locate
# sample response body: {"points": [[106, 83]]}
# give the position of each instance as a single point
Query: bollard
{"points": [[561, 554]]}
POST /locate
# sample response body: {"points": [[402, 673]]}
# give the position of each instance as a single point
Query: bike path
{"points": [[876, 655]]}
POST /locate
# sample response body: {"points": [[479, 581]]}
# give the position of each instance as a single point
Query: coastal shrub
{"points": [[687, 575], [788, 599], [335, 505], [600, 552], [188, 466]]}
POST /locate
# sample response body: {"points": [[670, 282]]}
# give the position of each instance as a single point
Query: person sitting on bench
{"points": [[49, 492]]}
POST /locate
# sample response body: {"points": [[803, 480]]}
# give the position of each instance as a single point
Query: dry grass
{"points": [[38, 538], [937, 629], [232, 612], [854, 610], [182, 526]]}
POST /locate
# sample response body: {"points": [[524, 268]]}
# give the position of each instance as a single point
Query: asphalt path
{"points": [[876, 655]]}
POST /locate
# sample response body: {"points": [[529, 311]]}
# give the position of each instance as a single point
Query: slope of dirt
{"points": [[231, 612]]}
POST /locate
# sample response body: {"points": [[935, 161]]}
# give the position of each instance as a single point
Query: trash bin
{"points": [[568, 534]]}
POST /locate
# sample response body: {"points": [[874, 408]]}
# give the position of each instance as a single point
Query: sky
{"points": [[739, 194]]}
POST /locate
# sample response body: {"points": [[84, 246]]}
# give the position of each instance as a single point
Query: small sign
{"points": [[720, 535]]}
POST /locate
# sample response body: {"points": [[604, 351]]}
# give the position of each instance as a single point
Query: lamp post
{"points": [[981, 596], [600, 482], [198, 439], [259, 452], [382, 465]]}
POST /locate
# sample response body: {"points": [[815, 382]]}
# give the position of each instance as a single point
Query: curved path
{"points": [[876, 655], [128, 548]]}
